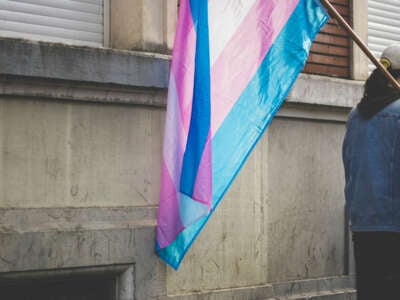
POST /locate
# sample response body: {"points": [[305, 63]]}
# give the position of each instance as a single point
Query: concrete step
{"points": [[344, 294]]}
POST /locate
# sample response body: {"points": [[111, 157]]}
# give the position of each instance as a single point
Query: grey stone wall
{"points": [[80, 155]]}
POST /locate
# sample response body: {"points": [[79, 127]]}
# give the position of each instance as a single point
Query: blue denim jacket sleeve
{"points": [[371, 158]]}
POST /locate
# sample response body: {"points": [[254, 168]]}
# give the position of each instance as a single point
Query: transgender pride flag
{"points": [[234, 61]]}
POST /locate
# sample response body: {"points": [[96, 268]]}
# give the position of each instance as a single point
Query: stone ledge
{"points": [[345, 294], [58, 71], [50, 89], [331, 288], [56, 90], [323, 90], [58, 61], [313, 287], [257, 292], [298, 110], [21, 220]]}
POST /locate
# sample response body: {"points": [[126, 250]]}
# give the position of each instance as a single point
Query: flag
{"points": [[233, 64]]}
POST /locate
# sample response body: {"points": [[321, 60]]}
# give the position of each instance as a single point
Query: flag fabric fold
{"points": [[233, 64]]}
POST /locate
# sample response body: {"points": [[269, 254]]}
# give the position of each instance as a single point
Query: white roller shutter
{"points": [[383, 25], [77, 22]]}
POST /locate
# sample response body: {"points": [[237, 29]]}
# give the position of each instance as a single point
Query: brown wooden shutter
{"points": [[330, 52]]}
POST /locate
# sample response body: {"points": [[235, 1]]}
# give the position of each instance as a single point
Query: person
{"points": [[371, 158]]}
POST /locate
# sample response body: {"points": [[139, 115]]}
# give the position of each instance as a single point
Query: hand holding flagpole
{"points": [[360, 43]]}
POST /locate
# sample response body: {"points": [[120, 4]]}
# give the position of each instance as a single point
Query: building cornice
{"points": [[61, 72]]}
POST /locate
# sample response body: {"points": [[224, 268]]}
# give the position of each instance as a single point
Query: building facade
{"points": [[83, 89]]}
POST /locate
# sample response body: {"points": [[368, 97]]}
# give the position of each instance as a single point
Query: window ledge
{"points": [[82, 64], [327, 91], [58, 71]]}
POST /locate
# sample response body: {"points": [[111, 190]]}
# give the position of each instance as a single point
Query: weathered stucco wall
{"points": [[288, 196], [60, 154], [305, 200], [282, 219], [80, 156], [147, 25]]}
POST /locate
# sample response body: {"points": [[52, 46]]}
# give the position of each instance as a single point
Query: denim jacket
{"points": [[371, 157]]}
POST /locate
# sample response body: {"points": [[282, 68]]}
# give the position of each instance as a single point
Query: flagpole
{"points": [[332, 10]]}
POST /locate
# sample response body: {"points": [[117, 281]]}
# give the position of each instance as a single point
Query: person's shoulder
{"points": [[392, 109], [354, 114]]}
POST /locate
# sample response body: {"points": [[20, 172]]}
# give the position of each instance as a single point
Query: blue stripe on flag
{"points": [[254, 111], [201, 107]]}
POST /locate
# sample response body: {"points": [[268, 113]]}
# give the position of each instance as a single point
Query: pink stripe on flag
{"points": [[203, 186], [169, 222], [175, 138], [183, 61], [244, 54]]}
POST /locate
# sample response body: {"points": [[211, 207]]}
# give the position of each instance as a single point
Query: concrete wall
{"points": [[305, 200], [147, 25], [80, 152], [60, 154]]}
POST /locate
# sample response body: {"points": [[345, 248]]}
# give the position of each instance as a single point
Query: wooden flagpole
{"points": [[359, 42]]}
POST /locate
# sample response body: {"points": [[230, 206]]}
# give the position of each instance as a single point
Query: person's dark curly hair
{"points": [[377, 83], [378, 93]]}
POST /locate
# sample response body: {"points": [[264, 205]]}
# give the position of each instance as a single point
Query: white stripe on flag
{"points": [[225, 16]]}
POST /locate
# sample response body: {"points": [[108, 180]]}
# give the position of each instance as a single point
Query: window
{"points": [[330, 53], [383, 25], [76, 22]]}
